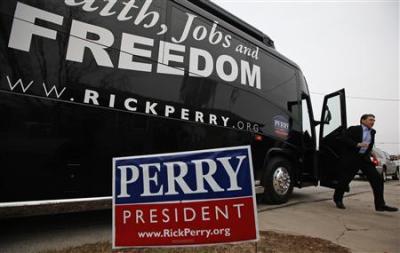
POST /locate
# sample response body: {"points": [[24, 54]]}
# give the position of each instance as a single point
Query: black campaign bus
{"points": [[82, 82]]}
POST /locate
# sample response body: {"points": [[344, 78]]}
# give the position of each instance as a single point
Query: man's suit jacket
{"points": [[352, 136]]}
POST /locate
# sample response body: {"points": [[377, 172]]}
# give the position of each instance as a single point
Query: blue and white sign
{"points": [[188, 198]]}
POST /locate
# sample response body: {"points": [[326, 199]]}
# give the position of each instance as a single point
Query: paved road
{"points": [[309, 212], [359, 227], [36, 234]]}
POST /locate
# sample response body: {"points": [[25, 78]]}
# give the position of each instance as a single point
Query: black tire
{"points": [[278, 181], [384, 175], [397, 175]]}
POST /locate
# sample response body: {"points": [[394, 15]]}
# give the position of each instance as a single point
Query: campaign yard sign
{"points": [[181, 199]]}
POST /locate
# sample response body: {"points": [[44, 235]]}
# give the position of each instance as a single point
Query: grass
{"points": [[270, 242]]}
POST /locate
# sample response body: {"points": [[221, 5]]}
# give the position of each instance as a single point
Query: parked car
{"points": [[397, 162], [386, 166]]}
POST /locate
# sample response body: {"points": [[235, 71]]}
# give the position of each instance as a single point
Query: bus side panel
{"points": [[66, 112]]}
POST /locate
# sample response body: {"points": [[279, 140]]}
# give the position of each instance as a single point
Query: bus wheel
{"points": [[278, 181]]}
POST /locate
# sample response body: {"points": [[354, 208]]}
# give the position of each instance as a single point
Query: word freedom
{"points": [[132, 47]]}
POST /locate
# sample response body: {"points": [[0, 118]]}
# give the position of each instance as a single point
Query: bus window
{"points": [[306, 119], [334, 116]]}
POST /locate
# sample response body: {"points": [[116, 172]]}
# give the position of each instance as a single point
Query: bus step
{"points": [[258, 188]]}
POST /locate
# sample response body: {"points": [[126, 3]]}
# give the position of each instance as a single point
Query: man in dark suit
{"points": [[357, 145]]}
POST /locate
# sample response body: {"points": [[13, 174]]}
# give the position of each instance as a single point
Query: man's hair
{"points": [[366, 116]]}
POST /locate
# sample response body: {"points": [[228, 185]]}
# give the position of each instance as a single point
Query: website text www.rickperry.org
{"points": [[185, 232], [125, 102]]}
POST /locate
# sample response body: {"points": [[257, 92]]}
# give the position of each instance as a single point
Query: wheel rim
{"points": [[281, 181]]}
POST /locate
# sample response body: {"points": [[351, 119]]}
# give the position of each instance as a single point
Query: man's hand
{"points": [[363, 145]]}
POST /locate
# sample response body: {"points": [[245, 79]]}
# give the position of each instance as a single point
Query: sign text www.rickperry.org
{"points": [[189, 198], [176, 233]]}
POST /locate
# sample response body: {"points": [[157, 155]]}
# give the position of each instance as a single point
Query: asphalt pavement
{"points": [[359, 227], [310, 212]]}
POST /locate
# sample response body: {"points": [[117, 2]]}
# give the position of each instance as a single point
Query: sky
{"points": [[339, 44]]}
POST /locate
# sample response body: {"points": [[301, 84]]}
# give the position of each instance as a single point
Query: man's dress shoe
{"points": [[340, 205], [386, 208]]}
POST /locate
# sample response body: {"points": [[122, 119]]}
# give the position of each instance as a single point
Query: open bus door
{"points": [[333, 123]]}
